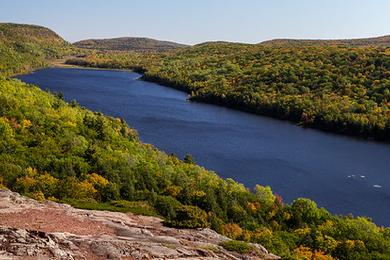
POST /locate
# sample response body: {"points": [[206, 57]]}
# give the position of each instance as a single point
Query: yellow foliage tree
{"points": [[173, 190], [26, 123], [97, 180], [86, 190], [306, 253], [33, 182], [231, 230]]}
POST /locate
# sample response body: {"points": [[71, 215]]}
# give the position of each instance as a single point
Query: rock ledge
{"points": [[33, 230]]}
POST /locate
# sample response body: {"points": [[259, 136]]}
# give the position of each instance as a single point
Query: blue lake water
{"points": [[343, 174]]}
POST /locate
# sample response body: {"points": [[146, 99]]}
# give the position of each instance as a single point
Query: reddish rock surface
{"points": [[33, 230]]}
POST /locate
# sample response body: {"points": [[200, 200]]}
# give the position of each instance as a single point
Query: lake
{"points": [[343, 174]]}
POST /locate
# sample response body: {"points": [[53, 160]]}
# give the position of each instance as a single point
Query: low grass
{"points": [[237, 246], [135, 207]]}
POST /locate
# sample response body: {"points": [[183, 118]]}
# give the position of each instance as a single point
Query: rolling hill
{"points": [[129, 44], [23, 47], [382, 41]]}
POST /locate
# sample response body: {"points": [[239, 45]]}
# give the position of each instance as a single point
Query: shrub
{"points": [[2, 186], [39, 196], [189, 217], [237, 246], [167, 206]]}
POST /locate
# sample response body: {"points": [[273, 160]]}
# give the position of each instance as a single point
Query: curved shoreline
{"points": [[318, 124], [272, 113]]}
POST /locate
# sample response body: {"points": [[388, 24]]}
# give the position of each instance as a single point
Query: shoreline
{"points": [[61, 63], [319, 126], [264, 113]]}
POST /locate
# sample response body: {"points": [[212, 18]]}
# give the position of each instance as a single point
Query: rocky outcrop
{"points": [[33, 230]]}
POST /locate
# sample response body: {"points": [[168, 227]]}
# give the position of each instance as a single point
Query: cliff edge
{"points": [[49, 230]]}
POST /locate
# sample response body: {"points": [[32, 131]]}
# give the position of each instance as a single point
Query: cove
{"points": [[343, 174]]}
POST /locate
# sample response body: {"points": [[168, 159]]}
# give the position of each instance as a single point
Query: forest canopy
{"points": [[50, 149]]}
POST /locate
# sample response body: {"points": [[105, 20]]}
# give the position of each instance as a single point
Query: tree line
{"points": [[334, 88]]}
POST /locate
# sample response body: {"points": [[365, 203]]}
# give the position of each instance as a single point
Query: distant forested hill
{"points": [[129, 44], [344, 89], [382, 41], [23, 47]]}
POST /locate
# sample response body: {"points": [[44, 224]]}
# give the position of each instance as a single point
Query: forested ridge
{"points": [[382, 41], [129, 44], [341, 89], [24, 47], [51, 149]]}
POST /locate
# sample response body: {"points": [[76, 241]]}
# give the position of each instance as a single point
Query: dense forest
{"points": [[128, 44], [51, 149], [335, 88], [382, 41]]}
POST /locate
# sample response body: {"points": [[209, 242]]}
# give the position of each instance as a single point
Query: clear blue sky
{"points": [[195, 21]]}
